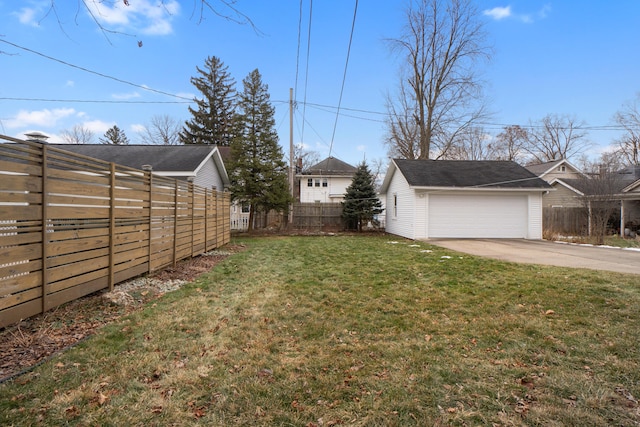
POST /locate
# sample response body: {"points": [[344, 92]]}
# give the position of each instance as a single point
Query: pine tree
{"points": [[213, 118], [258, 171], [115, 136], [360, 201]]}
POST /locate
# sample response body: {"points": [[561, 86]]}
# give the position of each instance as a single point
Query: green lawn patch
{"points": [[355, 330]]}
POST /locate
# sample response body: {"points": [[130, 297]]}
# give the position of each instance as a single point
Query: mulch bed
{"points": [[31, 341]]}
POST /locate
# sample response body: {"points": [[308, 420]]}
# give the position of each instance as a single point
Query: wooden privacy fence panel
{"points": [[566, 221], [71, 225], [317, 216]]}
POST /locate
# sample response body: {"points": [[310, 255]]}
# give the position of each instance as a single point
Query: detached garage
{"points": [[462, 199]]}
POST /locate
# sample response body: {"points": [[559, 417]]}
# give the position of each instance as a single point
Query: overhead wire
{"points": [[51, 58], [306, 77], [344, 75]]}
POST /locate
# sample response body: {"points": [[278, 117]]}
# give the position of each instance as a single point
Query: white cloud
{"points": [[26, 16], [124, 96], [361, 148], [143, 16], [97, 126], [498, 13], [70, 83], [137, 128], [43, 118]]}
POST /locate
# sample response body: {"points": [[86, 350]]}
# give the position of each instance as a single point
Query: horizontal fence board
{"points": [[18, 312], [24, 168], [20, 183], [56, 261], [20, 298], [22, 283], [16, 269], [20, 253], [22, 197], [22, 212], [77, 188], [19, 239], [77, 245]]}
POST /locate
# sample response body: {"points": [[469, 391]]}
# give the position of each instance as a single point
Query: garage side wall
{"points": [[400, 216], [535, 217]]}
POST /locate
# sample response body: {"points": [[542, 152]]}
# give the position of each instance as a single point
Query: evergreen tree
{"points": [[212, 119], [258, 172], [360, 201], [115, 136]]}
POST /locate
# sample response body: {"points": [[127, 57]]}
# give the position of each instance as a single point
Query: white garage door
{"points": [[477, 216]]}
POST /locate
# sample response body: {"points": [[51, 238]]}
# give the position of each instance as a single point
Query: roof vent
{"points": [[37, 137]]}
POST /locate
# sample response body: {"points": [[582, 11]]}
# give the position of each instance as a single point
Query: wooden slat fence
{"points": [[565, 221], [71, 225], [318, 216]]}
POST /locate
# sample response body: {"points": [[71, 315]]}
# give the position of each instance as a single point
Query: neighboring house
{"points": [[325, 182], [630, 199], [201, 164], [567, 181], [462, 199]]}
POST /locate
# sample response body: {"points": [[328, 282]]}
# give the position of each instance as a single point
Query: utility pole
{"points": [[292, 170]]}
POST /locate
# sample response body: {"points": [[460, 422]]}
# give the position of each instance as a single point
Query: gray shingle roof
{"points": [[330, 166], [541, 168], [166, 158], [468, 173]]}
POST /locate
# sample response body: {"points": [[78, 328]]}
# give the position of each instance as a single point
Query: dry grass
{"points": [[349, 330]]}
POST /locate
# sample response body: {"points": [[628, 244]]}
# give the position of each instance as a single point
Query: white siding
{"points": [[535, 216], [401, 223], [332, 193], [209, 177]]}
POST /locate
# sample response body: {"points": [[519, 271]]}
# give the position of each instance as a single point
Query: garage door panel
{"points": [[477, 216]]}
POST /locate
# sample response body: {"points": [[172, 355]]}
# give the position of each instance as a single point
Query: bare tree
{"points": [[472, 144], [224, 9], [78, 134], [629, 144], [439, 93], [556, 137], [601, 187], [162, 129], [509, 144], [304, 158], [403, 133]]}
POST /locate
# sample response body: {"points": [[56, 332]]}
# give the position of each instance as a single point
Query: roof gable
{"points": [[330, 166], [543, 169], [468, 173]]}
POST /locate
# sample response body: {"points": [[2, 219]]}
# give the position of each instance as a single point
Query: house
{"points": [[567, 181], [462, 199], [325, 182], [630, 200], [201, 164]]}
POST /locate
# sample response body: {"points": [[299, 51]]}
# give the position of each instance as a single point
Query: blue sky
{"points": [[574, 58]]}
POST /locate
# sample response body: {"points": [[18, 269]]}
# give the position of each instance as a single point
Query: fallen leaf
{"points": [[549, 312], [102, 398]]}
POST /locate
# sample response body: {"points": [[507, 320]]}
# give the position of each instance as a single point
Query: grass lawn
{"points": [[354, 330]]}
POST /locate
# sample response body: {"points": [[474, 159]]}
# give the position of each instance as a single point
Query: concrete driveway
{"points": [[547, 253]]}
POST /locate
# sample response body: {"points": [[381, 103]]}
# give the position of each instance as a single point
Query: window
{"points": [[562, 168], [309, 182], [317, 182], [395, 205], [245, 208], [324, 182]]}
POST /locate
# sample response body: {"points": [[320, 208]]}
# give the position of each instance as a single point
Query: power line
{"points": [[94, 101], [344, 76], [306, 77], [106, 76]]}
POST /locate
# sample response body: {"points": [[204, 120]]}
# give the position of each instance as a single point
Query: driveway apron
{"points": [[548, 253]]}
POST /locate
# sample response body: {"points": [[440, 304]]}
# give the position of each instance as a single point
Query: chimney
{"points": [[36, 136]]}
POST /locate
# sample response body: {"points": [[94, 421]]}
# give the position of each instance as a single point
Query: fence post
{"points": [[45, 220], [112, 224], [175, 223], [148, 171], [193, 215]]}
